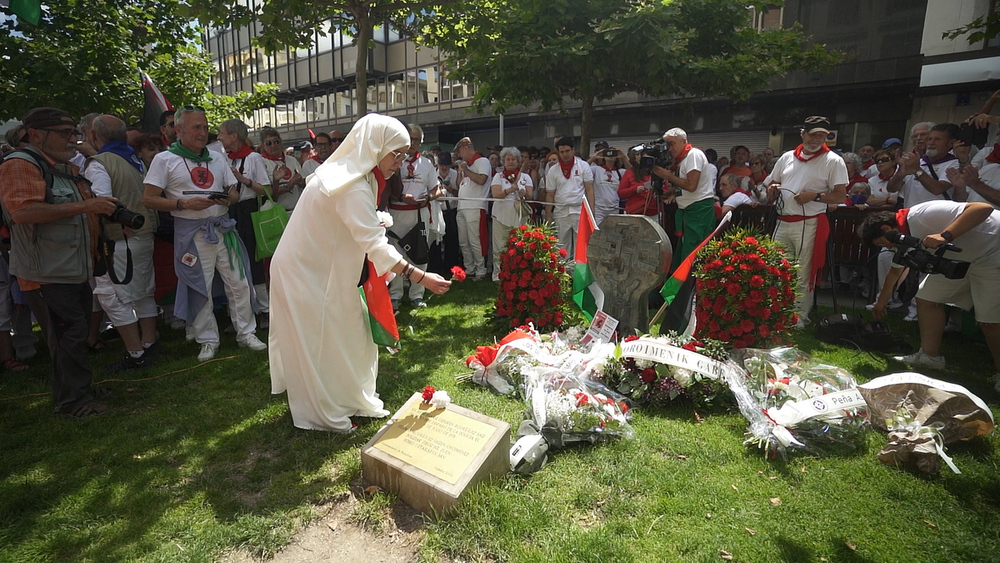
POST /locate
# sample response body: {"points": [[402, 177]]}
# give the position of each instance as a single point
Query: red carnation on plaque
{"points": [[427, 394], [533, 279], [749, 301], [457, 273]]}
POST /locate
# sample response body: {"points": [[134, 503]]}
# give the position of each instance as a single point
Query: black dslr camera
{"points": [[653, 153], [126, 218], [909, 253]]}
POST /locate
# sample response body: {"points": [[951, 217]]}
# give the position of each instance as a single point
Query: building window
{"points": [[768, 18]]}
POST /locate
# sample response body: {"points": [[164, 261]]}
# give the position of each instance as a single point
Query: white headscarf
{"points": [[371, 138]]}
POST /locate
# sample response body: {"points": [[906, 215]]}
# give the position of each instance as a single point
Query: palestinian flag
{"points": [[375, 295], [678, 290], [155, 104], [29, 11], [586, 293]]}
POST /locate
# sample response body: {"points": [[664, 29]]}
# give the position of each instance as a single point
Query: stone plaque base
{"points": [[429, 457]]}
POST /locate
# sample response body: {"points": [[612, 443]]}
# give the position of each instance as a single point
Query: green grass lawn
{"points": [[193, 462]]}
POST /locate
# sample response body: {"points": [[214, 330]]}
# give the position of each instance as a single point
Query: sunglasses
{"points": [[272, 142], [64, 133], [883, 160], [340, 140], [399, 155]]}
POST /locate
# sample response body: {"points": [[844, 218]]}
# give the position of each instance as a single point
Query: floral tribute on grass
{"points": [[533, 279], [647, 381], [745, 291]]}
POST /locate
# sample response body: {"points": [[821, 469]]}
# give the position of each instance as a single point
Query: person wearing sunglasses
{"points": [[53, 227], [199, 186], [283, 169], [321, 349], [324, 148]]}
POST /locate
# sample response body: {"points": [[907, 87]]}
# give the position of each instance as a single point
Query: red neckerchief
{"points": [[275, 158], [857, 179], [317, 158], [868, 164], [411, 164], [512, 176], [740, 191], [380, 181], [994, 155], [886, 178], [566, 168], [241, 152], [901, 221], [757, 180], [687, 149], [798, 152]]}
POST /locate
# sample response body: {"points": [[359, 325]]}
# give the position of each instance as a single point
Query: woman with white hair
{"points": [[321, 348], [513, 187]]}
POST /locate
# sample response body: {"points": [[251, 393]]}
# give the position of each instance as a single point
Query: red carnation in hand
{"points": [[457, 273], [427, 394]]}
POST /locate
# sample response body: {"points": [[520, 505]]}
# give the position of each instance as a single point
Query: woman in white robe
{"points": [[321, 349]]}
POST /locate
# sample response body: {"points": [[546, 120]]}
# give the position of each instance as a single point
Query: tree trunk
{"points": [[587, 120], [365, 33]]}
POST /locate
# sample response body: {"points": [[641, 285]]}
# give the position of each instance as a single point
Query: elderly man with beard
{"points": [[925, 178], [199, 186], [54, 230], [803, 182]]}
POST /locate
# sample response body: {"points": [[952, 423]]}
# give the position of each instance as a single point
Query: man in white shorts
{"points": [[975, 228]]}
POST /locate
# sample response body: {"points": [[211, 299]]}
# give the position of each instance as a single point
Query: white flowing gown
{"points": [[321, 349]]}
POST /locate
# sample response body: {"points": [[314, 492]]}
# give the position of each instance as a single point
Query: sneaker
{"points": [[921, 359], [208, 351], [869, 306], [252, 342], [128, 363], [264, 320], [419, 303], [910, 318], [189, 334]]}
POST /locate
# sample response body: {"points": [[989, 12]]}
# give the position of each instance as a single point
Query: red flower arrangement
{"points": [[745, 291], [533, 279], [458, 274]]}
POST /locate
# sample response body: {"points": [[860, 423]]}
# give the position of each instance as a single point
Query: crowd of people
{"points": [[72, 192]]}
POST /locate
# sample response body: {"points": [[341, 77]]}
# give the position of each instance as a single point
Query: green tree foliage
{"points": [[983, 28], [521, 52], [295, 23]]}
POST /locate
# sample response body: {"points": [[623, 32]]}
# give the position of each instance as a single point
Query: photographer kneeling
{"points": [[935, 224]]}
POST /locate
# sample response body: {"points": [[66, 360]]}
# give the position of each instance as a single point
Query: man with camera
{"points": [[53, 221], [695, 193], [198, 184], [116, 171], [975, 228], [803, 182]]}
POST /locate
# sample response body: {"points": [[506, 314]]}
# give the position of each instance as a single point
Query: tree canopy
{"points": [[521, 52], [87, 56]]}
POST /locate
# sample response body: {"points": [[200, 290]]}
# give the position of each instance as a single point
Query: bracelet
{"points": [[180, 206], [422, 274]]}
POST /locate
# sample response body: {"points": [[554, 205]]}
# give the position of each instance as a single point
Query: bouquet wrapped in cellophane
{"points": [[795, 402]]}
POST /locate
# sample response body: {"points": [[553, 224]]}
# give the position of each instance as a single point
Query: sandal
{"points": [[90, 408], [13, 365]]}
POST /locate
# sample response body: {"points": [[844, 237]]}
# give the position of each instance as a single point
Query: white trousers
{"points": [[566, 229], [126, 304], [215, 258], [799, 238], [469, 240]]}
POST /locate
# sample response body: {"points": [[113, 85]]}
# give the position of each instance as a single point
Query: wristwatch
{"points": [[918, 174], [818, 196], [947, 236]]}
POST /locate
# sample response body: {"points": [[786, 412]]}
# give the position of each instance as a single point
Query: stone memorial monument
{"points": [[629, 257], [430, 456]]}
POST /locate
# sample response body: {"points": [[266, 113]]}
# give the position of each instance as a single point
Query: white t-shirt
{"points": [[506, 211], [172, 174], [737, 199], [695, 160], [449, 182], [990, 175], [569, 191], [254, 169], [470, 189], [309, 167], [419, 177], [606, 186], [287, 200], [913, 192], [982, 243], [818, 174], [879, 186]]}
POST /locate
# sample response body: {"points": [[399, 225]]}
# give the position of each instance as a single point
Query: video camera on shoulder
{"points": [[653, 153], [911, 254]]}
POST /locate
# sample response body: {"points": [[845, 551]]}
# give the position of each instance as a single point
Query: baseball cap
{"points": [[601, 144], [815, 123], [444, 158], [891, 141]]}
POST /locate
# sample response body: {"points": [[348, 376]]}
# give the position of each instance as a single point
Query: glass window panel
{"points": [[324, 40], [398, 92]]}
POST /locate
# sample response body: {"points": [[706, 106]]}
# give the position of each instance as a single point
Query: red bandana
{"points": [[280, 159], [857, 179], [687, 149], [566, 167], [317, 158], [241, 152], [758, 179], [798, 153], [380, 180], [511, 176], [869, 164], [887, 178], [411, 164], [901, 221], [994, 155]]}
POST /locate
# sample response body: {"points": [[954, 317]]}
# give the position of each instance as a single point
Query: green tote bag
{"points": [[268, 224]]}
